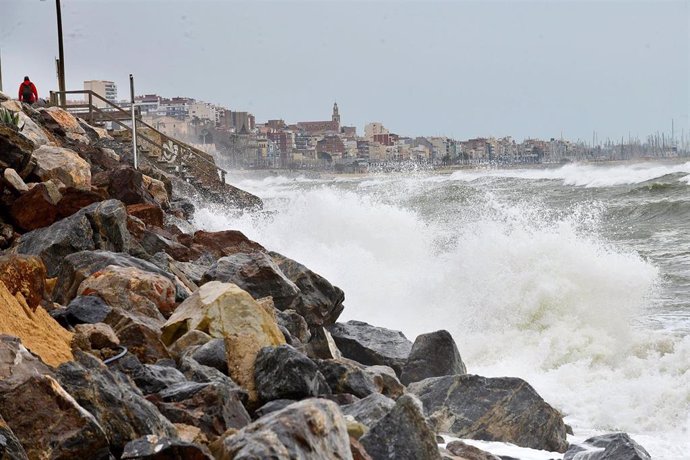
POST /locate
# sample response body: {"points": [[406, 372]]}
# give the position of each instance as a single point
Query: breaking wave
{"points": [[525, 290]]}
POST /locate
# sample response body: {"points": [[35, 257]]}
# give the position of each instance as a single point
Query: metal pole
{"points": [[134, 123], [61, 58]]}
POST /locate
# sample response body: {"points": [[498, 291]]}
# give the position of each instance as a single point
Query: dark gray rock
{"points": [[149, 378], [257, 274], [86, 309], [369, 410], [159, 378], [213, 407], [502, 409], [294, 323], [203, 374], [312, 429], [371, 345], [433, 355], [285, 373], [402, 434], [78, 266], [192, 270], [273, 406], [345, 377], [118, 407], [162, 448], [320, 302], [15, 150], [613, 446], [49, 423], [98, 226], [10, 448], [212, 354]]}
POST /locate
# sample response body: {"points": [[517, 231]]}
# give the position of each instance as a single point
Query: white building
{"points": [[105, 89], [203, 111], [373, 128]]}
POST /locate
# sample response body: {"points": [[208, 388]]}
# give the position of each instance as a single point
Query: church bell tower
{"points": [[336, 115]]}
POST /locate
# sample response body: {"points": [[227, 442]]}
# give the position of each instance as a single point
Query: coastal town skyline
{"points": [[453, 81]]}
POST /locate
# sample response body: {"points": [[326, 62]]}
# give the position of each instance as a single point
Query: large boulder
{"points": [[15, 151], [285, 373], [257, 274], [29, 128], [371, 345], [78, 266], [223, 310], [214, 407], [502, 409], [320, 302], [224, 243], [402, 434], [149, 378], [127, 185], [98, 226], [64, 165], [132, 289], [119, 408], [74, 199], [24, 274], [613, 446], [64, 123], [312, 429], [36, 208], [49, 423], [345, 377], [39, 332], [369, 410], [433, 355]]}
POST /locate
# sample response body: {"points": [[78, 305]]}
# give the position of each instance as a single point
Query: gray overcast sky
{"points": [[460, 69]]}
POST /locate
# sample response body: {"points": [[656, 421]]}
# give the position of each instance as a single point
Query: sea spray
{"points": [[527, 288]]}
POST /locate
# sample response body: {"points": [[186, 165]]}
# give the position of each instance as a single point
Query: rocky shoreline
{"points": [[127, 333]]}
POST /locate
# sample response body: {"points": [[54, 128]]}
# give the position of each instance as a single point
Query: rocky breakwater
{"points": [[125, 333]]}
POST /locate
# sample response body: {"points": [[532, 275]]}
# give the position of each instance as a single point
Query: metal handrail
{"points": [[199, 154]]}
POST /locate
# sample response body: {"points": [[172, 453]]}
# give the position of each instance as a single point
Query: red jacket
{"points": [[34, 92]]}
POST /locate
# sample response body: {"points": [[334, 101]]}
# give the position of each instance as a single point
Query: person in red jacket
{"points": [[28, 92]]}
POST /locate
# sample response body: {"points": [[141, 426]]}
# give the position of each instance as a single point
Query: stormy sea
{"points": [[575, 278]]}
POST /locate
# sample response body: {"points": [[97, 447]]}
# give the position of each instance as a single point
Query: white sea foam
{"points": [[524, 292], [583, 175]]}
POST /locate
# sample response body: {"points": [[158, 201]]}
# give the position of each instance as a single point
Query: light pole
{"points": [[61, 58]]}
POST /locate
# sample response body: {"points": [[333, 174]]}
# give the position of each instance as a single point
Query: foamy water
{"points": [[527, 288]]}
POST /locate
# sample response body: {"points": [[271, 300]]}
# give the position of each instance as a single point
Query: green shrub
{"points": [[8, 117]]}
